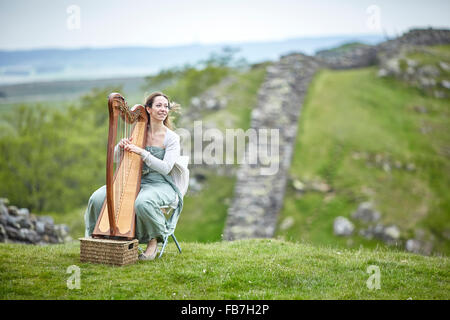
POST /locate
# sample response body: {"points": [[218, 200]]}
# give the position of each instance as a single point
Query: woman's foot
{"points": [[150, 253]]}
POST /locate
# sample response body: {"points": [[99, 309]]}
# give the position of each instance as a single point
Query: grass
{"points": [[246, 269], [242, 97], [353, 112]]}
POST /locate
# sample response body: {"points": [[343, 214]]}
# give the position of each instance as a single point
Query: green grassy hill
{"points": [[247, 269], [368, 139]]}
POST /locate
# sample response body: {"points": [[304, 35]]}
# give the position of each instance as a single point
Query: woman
{"points": [[157, 186]]}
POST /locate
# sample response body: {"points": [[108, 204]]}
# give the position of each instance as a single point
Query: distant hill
{"points": [[100, 63]]}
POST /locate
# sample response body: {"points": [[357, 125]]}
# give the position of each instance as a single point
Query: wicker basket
{"points": [[104, 251]]}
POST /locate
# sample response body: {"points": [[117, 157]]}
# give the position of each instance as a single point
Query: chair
{"points": [[167, 210]]}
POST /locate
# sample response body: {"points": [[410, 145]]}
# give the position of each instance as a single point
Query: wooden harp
{"points": [[123, 170]]}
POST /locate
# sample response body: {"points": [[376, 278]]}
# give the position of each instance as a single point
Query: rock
{"points": [[195, 102], [46, 219], [439, 94], [412, 63], [391, 233], [419, 247], [194, 184], [427, 82], [29, 235], [371, 232], [13, 222], [12, 210], [13, 233], [420, 109], [24, 212], [298, 185], [211, 103], [397, 164], [319, 186], [40, 227], [62, 232], [343, 227], [50, 229], [3, 210], [429, 70], [3, 235], [24, 222], [445, 84], [413, 245], [287, 223], [382, 73], [366, 213], [444, 66], [3, 220]]}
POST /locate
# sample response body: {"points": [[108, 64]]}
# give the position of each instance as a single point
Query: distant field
{"points": [[59, 94]]}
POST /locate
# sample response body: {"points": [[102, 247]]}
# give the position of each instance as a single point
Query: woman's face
{"points": [[160, 108]]}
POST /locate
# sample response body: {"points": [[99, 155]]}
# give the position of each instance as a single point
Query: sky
{"points": [[30, 24]]}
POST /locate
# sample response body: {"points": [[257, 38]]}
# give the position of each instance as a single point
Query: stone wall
{"points": [[257, 197], [358, 56], [414, 37], [21, 226]]}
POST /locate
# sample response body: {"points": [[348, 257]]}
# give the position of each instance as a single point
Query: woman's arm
{"points": [[165, 165]]}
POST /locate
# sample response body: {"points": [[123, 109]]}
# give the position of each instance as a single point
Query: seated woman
{"points": [[157, 186]]}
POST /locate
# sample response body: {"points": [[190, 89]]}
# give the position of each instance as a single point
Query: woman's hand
{"points": [[124, 142], [128, 146]]}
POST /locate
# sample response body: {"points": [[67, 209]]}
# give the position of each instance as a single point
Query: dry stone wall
{"points": [[18, 225], [258, 197]]}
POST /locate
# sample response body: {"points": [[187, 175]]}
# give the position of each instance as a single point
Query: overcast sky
{"points": [[26, 24]]}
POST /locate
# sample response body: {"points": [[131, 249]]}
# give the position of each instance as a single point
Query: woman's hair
{"points": [[173, 107]]}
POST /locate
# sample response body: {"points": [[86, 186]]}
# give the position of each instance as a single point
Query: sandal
{"points": [[144, 257]]}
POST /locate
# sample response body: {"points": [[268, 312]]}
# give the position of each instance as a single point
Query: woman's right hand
{"points": [[124, 142]]}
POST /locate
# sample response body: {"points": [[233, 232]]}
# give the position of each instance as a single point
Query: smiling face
{"points": [[159, 109]]}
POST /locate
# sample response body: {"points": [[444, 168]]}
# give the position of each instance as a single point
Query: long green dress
{"points": [[157, 190]]}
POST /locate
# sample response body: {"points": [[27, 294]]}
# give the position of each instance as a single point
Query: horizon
{"points": [[243, 42]]}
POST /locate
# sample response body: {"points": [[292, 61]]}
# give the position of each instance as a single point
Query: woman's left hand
{"points": [[133, 148]]}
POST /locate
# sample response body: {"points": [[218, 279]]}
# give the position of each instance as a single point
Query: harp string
{"points": [[122, 160], [118, 183]]}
